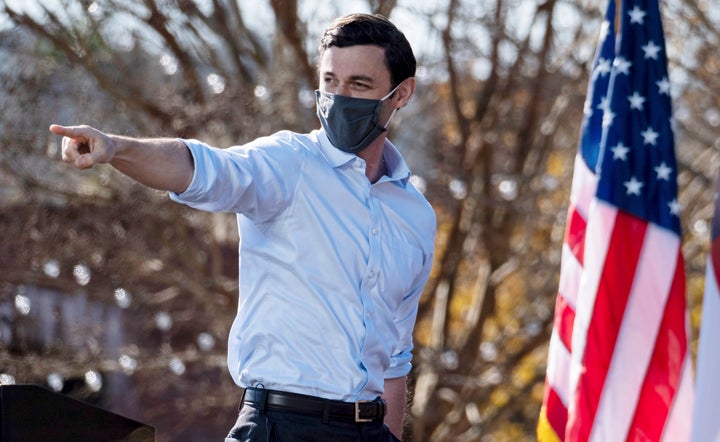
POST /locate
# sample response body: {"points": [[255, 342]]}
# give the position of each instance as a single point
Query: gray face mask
{"points": [[351, 123]]}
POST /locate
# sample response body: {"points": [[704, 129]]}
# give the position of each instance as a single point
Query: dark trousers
{"points": [[254, 425]]}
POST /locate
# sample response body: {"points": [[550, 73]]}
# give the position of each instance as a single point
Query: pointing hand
{"points": [[84, 146]]}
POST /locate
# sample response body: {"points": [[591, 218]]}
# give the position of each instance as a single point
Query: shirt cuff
{"points": [[400, 365], [193, 146]]}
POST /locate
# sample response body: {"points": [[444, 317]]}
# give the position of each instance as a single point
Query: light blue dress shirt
{"points": [[331, 267]]}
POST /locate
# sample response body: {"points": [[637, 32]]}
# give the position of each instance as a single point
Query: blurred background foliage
{"points": [[112, 294]]}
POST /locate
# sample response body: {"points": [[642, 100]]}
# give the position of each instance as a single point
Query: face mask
{"points": [[351, 123]]}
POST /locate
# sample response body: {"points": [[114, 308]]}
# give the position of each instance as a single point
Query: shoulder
{"points": [[425, 211], [281, 149], [287, 140]]}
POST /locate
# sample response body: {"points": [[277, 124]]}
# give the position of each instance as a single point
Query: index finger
{"points": [[69, 131]]}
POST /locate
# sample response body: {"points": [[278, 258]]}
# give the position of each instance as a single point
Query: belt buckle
{"points": [[359, 419]]}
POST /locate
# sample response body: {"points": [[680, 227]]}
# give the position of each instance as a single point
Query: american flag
{"points": [[618, 364], [554, 414], [706, 423]]}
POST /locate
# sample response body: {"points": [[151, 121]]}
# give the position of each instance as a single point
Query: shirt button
{"points": [[375, 231]]}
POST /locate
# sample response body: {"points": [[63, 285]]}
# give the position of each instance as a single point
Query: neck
{"points": [[374, 173], [375, 166]]}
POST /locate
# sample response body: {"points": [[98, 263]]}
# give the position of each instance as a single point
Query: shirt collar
{"points": [[397, 167]]}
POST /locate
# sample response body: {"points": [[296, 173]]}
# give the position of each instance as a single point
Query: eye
{"points": [[361, 85]]}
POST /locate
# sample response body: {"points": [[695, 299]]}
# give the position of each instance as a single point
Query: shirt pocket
{"points": [[402, 262]]}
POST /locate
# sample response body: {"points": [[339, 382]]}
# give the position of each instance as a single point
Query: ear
{"points": [[404, 93]]}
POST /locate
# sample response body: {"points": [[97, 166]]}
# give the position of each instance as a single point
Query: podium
{"points": [[35, 413]]}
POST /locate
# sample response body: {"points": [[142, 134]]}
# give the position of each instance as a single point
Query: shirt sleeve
{"points": [[256, 179], [401, 361]]}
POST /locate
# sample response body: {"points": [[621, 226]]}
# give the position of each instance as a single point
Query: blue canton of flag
{"points": [[639, 171], [596, 100]]}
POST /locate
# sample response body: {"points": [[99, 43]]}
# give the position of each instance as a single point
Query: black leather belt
{"points": [[358, 411]]}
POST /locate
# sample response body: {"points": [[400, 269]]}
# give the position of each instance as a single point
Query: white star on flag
{"points": [[637, 15], [663, 171], [636, 101], [649, 136], [664, 86], [651, 50], [633, 186], [620, 151], [604, 67], [622, 65]]}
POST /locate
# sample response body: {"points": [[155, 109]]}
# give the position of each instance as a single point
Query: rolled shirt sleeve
{"points": [[256, 179]]}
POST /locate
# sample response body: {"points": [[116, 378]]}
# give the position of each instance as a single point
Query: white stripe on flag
{"points": [[570, 274], [597, 240], [583, 187], [558, 368], [636, 339]]}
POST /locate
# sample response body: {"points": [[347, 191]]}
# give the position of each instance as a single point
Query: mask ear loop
{"points": [[391, 92], [387, 123]]}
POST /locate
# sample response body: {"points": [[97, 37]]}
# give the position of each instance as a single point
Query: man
{"points": [[335, 243]]}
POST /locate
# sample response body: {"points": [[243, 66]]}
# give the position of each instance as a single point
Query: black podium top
{"points": [[35, 413]]}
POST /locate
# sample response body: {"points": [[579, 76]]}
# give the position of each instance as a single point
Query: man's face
{"points": [[356, 71]]}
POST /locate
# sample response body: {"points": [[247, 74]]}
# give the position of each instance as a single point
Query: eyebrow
{"points": [[363, 78], [358, 77]]}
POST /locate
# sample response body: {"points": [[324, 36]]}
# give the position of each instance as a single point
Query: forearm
{"points": [[162, 163], [395, 398]]}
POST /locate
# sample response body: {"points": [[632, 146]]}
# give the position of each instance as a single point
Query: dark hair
{"points": [[366, 29]]}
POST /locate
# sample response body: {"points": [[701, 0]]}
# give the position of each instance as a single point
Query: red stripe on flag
{"points": [[665, 369], [564, 320], [575, 233], [715, 254], [615, 283], [556, 412]]}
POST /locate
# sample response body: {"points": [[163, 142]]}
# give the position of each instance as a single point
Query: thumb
{"points": [[85, 161]]}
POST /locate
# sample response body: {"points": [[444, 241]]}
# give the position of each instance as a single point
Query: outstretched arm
{"points": [[161, 163]]}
